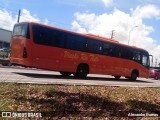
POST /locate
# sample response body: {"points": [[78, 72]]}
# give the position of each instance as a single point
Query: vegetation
{"points": [[79, 101]]}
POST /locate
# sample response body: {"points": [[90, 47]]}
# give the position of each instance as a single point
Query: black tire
{"points": [[65, 74], [156, 77], [5, 64], [134, 76], [82, 71], [117, 77]]}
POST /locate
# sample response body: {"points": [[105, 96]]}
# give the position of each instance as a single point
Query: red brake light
{"points": [[24, 53]]}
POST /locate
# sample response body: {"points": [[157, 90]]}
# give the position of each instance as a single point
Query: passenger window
{"points": [[107, 49], [94, 46], [58, 38], [75, 42], [47, 36], [117, 51], [126, 53], [137, 57]]}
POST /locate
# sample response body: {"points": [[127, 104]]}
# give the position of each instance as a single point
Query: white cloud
{"points": [[146, 12], [26, 16], [46, 21], [7, 20], [123, 24], [107, 3], [78, 27]]}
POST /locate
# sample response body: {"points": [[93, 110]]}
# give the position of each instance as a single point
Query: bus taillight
{"points": [[24, 53]]}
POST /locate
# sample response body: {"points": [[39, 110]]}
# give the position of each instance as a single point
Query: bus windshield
{"points": [[21, 30]]}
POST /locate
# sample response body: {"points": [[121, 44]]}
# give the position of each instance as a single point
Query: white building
{"points": [[5, 38]]}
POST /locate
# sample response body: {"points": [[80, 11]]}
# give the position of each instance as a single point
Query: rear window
{"points": [[21, 30]]}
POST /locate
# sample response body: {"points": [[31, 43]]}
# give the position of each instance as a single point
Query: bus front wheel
{"points": [[134, 76], [82, 71]]}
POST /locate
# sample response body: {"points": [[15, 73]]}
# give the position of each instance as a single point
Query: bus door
{"points": [[146, 64]]}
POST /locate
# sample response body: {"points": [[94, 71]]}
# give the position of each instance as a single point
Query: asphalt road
{"points": [[36, 76]]}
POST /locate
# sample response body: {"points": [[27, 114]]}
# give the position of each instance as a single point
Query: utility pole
{"points": [[112, 34], [130, 33], [19, 14]]}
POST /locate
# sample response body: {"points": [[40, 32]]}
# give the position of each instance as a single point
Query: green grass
{"points": [[78, 100]]}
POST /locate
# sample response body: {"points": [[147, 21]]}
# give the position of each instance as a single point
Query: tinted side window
{"points": [[48, 36], [42, 35], [108, 49], [59, 38], [37, 34], [94, 46], [117, 51], [126, 53], [75, 42], [137, 57]]}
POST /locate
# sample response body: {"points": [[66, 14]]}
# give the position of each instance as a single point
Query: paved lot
{"points": [[35, 76]]}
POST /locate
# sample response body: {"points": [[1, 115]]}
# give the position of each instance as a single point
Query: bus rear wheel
{"points": [[65, 74], [82, 71]]}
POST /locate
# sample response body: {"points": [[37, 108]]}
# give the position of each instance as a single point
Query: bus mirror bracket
{"points": [[151, 60]]}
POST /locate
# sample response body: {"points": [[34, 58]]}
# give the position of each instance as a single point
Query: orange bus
{"points": [[42, 46]]}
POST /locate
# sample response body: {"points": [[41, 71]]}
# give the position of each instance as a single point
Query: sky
{"points": [[134, 22]]}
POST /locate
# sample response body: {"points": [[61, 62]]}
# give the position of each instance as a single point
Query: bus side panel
{"points": [[107, 65], [129, 65], [144, 72], [68, 60], [60, 59], [46, 57], [53, 58], [71, 59]]}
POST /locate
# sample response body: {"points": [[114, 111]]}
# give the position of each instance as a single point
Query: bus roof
{"points": [[101, 38]]}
